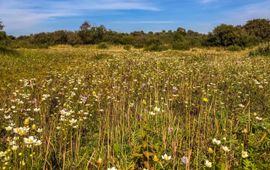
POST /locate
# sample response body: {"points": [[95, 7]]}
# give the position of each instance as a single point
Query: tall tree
{"points": [[259, 28], [1, 26], [85, 26]]}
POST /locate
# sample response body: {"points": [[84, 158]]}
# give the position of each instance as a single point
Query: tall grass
{"points": [[135, 110]]}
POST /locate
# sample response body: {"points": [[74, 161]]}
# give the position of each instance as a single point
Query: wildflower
{"points": [[244, 154], [225, 148], [21, 130], [8, 128], [210, 150], [34, 126], [14, 147], [245, 130], [216, 142], [39, 130], [2, 154], [258, 118], [155, 158], [36, 109], [241, 105], [156, 109], [184, 160], [166, 157], [152, 113], [72, 121], [26, 121], [31, 140], [208, 164], [113, 168], [7, 116], [204, 99]]}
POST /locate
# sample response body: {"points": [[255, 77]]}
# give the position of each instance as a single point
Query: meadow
{"points": [[84, 108]]}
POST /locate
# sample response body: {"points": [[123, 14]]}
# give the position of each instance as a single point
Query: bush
{"points": [[180, 45], [127, 47], [102, 56], [7, 51], [103, 46], [155, 47], [263, 50], [234, 48]]}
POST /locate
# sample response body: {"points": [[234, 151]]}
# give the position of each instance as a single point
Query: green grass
{"points": [[95, 109]]}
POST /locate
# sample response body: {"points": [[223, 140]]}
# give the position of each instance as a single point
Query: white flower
{"points": [[152, 113], [208, 164], [39, 130], [36, 109], [2, 154], [73, 121], [241, 105], [258, 118], [14, 147], [244, 154], [166, 157], [8, 128], [113, 168], [31, 140], [225, 148], [216, 142], [156, 109], [7, 116]]}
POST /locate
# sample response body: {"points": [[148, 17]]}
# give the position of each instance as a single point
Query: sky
{"points": [[23, 17]]}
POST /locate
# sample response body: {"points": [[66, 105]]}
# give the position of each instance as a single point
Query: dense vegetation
{"points": [[233, 37], [82, 108]]}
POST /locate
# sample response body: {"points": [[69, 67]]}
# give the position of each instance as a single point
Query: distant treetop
{"points": [[85, 26], [1, 26]]}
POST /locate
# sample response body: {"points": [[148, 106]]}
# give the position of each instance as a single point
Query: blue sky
{"points": [[31, 16]]}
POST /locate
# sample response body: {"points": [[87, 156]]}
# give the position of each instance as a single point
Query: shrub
{"points": [[180, 45], [234, 48], [7, 51], [102, 56], [156, 47], [103, 46], [263, 50], [127, 47]]}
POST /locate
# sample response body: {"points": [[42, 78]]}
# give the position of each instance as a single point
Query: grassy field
{"points": [[83, 108]]}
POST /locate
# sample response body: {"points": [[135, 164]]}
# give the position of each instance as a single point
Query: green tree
{"points": [[260, 28], [1, 26], [228, 35], [85, 26]]}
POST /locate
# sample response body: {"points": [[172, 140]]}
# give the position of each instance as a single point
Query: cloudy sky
{"points": [[31, 16]]}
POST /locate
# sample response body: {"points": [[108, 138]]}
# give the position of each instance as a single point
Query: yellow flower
{"points": [[34, 126], [210, 150], [204, 99], [26, 121], [155, 158]]}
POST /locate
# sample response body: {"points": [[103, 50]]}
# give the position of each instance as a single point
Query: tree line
{"points": [[252, 33]]}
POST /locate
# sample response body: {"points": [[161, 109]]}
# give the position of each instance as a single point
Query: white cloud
{"points": [[251, 11], [145, 22], [24, 14]]}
